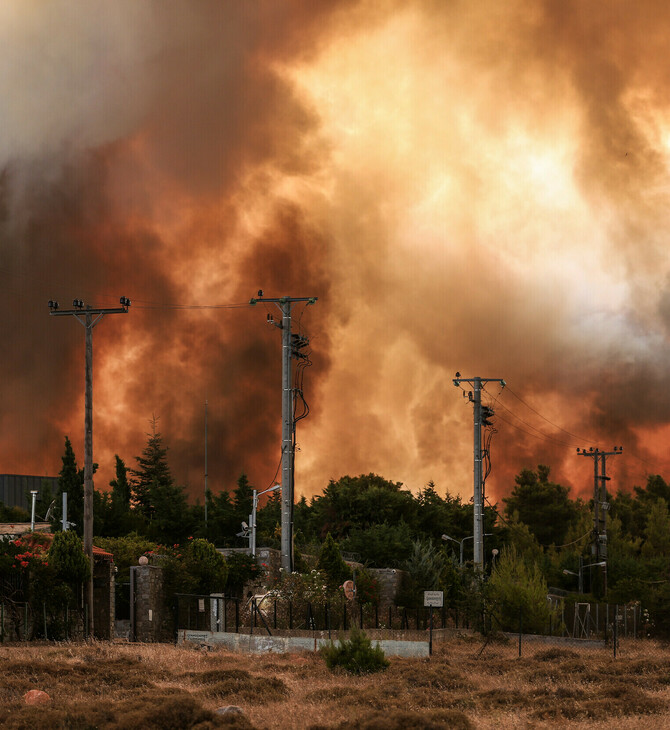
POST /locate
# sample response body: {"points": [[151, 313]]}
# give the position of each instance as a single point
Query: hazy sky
{"points": [[472, 186]]}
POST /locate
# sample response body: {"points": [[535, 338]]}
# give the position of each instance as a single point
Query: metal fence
{"points": [[23, 621], [597, 621]]}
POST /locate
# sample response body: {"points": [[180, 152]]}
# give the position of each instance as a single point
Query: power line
{"points": [[544, 418]]}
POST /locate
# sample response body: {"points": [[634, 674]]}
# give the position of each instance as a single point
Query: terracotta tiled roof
{"points": [[19, 530]]}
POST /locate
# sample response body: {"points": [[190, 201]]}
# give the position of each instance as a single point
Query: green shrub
{"points": [[127, 551], [517, 589], [355, 655], [68, 559], [368, 591], [331, 563], [196, 568], [242, 569]]}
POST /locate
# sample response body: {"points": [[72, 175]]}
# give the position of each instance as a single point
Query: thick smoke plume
{"points": [[474, 187]]}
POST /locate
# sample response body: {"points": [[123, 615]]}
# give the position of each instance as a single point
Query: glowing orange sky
{"points": [[465, 186]]}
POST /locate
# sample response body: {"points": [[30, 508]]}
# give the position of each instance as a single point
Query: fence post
{"points": [[430, 633], [44, 616], [520, 629], [175, 616], [237, 615], [2, 622], [328, 617], [275, 615], [290, 614], [390, 617], [616, 628]]}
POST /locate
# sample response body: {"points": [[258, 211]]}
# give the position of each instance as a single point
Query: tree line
{"points": [[381, 524]]}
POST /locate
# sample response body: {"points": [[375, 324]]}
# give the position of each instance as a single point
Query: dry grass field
{"points": [[162, 686]]}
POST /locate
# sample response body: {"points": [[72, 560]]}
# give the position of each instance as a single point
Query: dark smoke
{"points": [[474, 187]]}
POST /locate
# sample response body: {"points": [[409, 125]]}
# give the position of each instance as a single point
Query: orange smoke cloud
{"points": [[476, 188]]}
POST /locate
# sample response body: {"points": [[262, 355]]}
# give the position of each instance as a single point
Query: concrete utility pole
{"points": [[600, 504], [85, 317], [478, 518], [291, 346], [205, 465]]}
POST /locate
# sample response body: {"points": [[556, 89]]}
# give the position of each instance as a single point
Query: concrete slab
{"points": [[262, 643]]}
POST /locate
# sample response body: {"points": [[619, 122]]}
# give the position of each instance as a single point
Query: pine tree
{"points": [[120, 486], [70, 480], [155, 495], [243, 499], [657, 532], [331, 563]]}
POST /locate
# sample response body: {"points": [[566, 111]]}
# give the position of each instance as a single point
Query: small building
{"points": [[15, 489], [104, 573]]}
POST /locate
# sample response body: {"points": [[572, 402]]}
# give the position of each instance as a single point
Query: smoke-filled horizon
{"points": [[476, 188]]}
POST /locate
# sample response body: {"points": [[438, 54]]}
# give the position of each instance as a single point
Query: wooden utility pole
{"points": [[89, 323]]}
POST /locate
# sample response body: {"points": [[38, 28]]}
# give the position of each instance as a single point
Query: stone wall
{"points": [[103, 599], [389, 584], [151, 619]]}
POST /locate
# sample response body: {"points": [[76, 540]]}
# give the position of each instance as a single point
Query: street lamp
{"points": [[580, 574], [460, 542], [252, 516], [32, 512]]}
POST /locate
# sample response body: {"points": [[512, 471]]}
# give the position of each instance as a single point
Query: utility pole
{"points": [[205, 466], [86, 317], [291, 346], [600, 504], [475, 397]]}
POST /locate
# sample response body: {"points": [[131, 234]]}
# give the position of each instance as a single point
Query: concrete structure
{"points": [[104, 594], [262, 643], [150, 618], [10, 531], [389, 585]]}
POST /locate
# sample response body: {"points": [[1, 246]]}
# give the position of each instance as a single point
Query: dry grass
{"points": [[162, 686]]}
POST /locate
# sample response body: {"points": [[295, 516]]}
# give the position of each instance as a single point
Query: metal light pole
{"points": [[254, 507], [460, 542], [33, 492], [85, 317], [580, 575]]}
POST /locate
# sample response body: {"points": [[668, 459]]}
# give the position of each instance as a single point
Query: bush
{"points": [[355, 655], [368, 591], [68, 559], [127, 551], [519, 589], [197, 568], [242, 569], [331, 564]]}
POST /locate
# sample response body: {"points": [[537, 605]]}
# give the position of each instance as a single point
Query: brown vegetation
{"points": [[162, 686]]}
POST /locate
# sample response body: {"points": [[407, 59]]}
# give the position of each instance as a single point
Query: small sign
{"points": [[433, 598], [349, 589], [201, 605]]}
